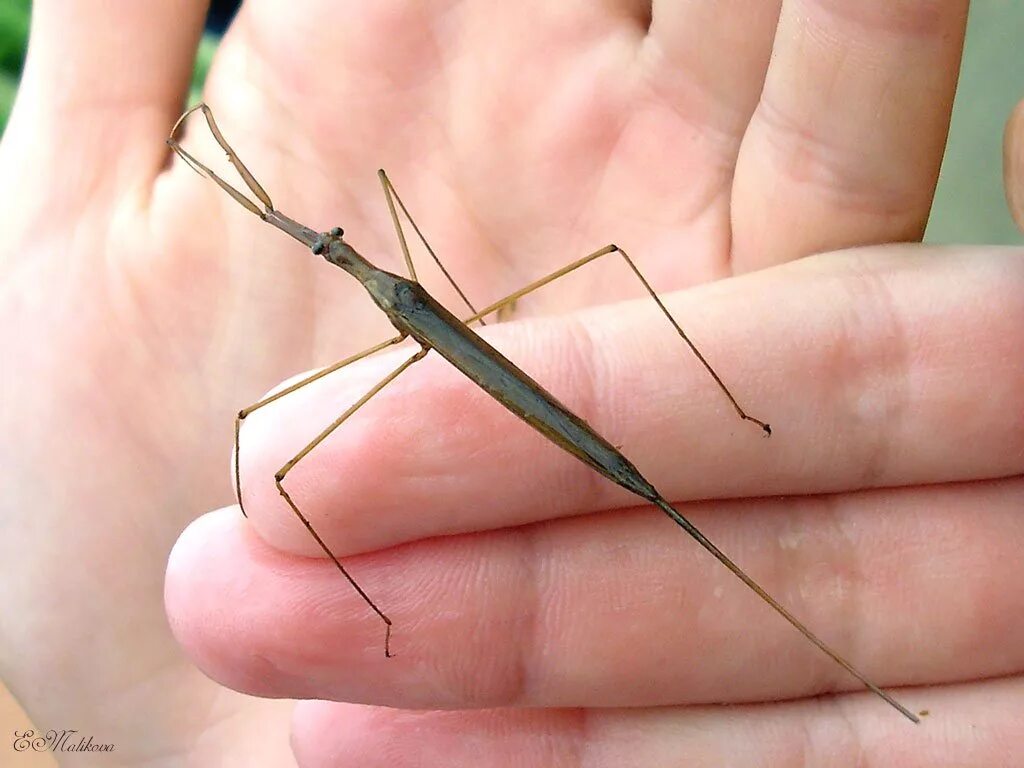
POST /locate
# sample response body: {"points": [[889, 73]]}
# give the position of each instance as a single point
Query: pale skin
{"points": [[143, 309]]}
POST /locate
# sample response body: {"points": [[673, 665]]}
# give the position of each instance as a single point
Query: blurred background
{"points": [[969, 205]]}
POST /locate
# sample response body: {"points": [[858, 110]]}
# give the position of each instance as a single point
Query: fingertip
{"points": [[1013, 164], [221, 584], [194, 569], [328, 733], [189, 552]]}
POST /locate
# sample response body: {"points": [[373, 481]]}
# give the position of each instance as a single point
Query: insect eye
{"points": [[318, 246], [337, 232]]}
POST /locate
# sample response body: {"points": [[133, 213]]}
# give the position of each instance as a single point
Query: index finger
{"points": [[876, 367]]}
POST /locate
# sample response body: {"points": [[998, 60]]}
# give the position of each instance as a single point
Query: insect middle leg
{"points": [[280, 475], [391, 196], [478, 316], [536, 284]]}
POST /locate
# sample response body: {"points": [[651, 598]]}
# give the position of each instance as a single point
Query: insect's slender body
{"points": [[415, 312], [417, 315]]}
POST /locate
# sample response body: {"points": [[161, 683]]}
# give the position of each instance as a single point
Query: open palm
{"points": [[144, 309]]}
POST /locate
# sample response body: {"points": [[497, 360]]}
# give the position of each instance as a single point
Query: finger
{"points": [[620, 609], [1013, 164], [845, 145], [709, 59], [103, 81], [864, 378], [791, 735]]}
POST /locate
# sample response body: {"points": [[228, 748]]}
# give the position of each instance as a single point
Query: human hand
{"points": [[545, 618], [516, 607], [143, 310]]}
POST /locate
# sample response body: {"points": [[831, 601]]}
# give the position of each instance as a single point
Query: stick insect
{"points": [[417, 315]]}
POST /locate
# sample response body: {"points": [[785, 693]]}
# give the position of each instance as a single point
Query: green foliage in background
{"points": [[13, 34], [13, 38], [207, 47], [14, 21]]}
